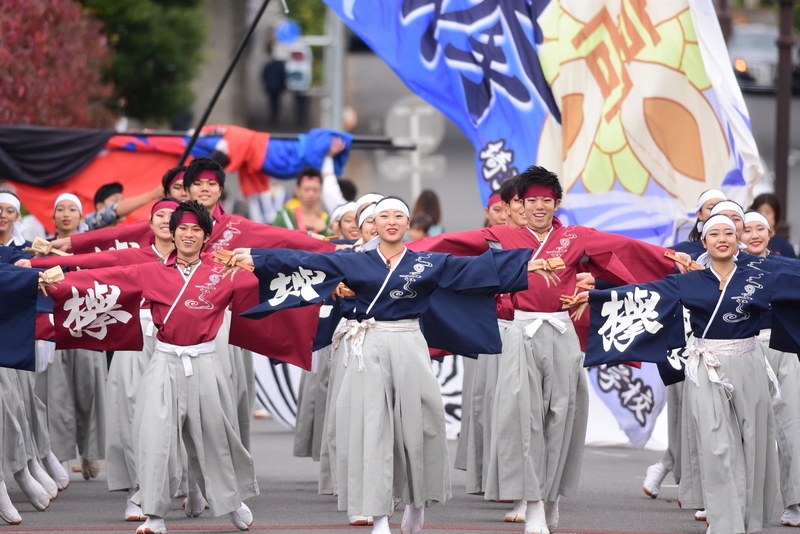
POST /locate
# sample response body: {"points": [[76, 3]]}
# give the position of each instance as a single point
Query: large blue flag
{"points": [[633, 103]]}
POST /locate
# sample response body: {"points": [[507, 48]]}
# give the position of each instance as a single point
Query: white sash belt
{"points": [[354, 332], [709, 349], [557, 320], [765, 335], [146, 316], [186, 352]]}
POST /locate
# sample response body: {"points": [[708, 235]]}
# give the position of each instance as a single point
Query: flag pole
{"points": [[222, 83]]}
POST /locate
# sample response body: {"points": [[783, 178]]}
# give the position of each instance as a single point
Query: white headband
{"points": [[391, 204], [369, 198], [728, 205], [755, 216], [708, 195], [717, 219], [8, 198], [68, 196], [339, 212], [368, 213]]}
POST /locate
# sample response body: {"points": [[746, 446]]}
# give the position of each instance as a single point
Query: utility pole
{"points": [[725, 19], [783, 100]]}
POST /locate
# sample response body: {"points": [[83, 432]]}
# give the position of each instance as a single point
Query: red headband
{"points": [[207, 174], [164, 205], [177, 178], [538, 190], [494, 199], [187, 217]]}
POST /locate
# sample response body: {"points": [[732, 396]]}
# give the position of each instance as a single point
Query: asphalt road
{"points": [[610, 500]]}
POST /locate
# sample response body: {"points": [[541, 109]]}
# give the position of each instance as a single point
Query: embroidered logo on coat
{"points": [[413, 276], [564, 243], [743, 300]]}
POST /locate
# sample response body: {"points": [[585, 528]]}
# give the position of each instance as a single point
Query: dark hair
{"points": [[772, 201], [428, 203], [422, 221], [348, 188], [536, 175], [203, 164], [168, 176], [106, 191], [192, 206], [508, 189], [307, 174]]}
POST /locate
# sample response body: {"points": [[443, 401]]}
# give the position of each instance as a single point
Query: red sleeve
{"points": [[469, 243], [138, 232], [266, 236], [94, 260], [622, 260]]}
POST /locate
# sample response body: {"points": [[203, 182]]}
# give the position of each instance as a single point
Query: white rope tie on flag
{"points": [[557, 320], [187, 352]]}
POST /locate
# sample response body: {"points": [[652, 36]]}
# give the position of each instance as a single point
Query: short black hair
{"points": [[309, 172], [168, 176], [508, 189], [203, 164], [536, 175], [106, 191], [348, 188], [192, 206]]}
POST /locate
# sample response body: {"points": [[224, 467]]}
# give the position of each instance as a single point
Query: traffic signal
{"points": [[298, 67]]}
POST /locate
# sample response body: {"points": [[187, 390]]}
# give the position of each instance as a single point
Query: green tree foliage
{"points": [[158, 47], [52, 56]]}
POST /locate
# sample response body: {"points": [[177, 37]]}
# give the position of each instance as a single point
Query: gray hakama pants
{"points": [[327, 454], [390, 428], [479, 441], [540, 413], [35, 411], [311, 403], [672, 456], [54, 388], [88, 371], [787, 419], [196, 409], [467, 380], [736, 437], [238, 366], [124, 376], [18, 446]]}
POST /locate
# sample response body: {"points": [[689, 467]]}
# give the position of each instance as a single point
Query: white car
{"points": [[754, 56]]}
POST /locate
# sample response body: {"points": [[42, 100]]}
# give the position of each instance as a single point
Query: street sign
{"points": [[428, 131]]}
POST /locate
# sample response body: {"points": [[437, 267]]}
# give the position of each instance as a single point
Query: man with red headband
{"points": [[540, 409]]}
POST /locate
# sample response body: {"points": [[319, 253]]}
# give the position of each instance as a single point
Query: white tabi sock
{"points": [[551, 514], [517, 515], [381, 525], [34, 491], [8, 513], [56, 470], [41, 476], [153, 525], [133, 512], [413, 519], [535, 521], [242, 517], [195, 502]]}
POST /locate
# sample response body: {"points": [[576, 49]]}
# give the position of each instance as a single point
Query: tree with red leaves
{"points": [[52, 60]]}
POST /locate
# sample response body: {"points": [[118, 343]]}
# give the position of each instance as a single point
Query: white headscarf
{"points": [[18, 228], [391, 204], [68, 196], [369, 198], [708, 195], [369, 212], [755, 216], [704, 259]]}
